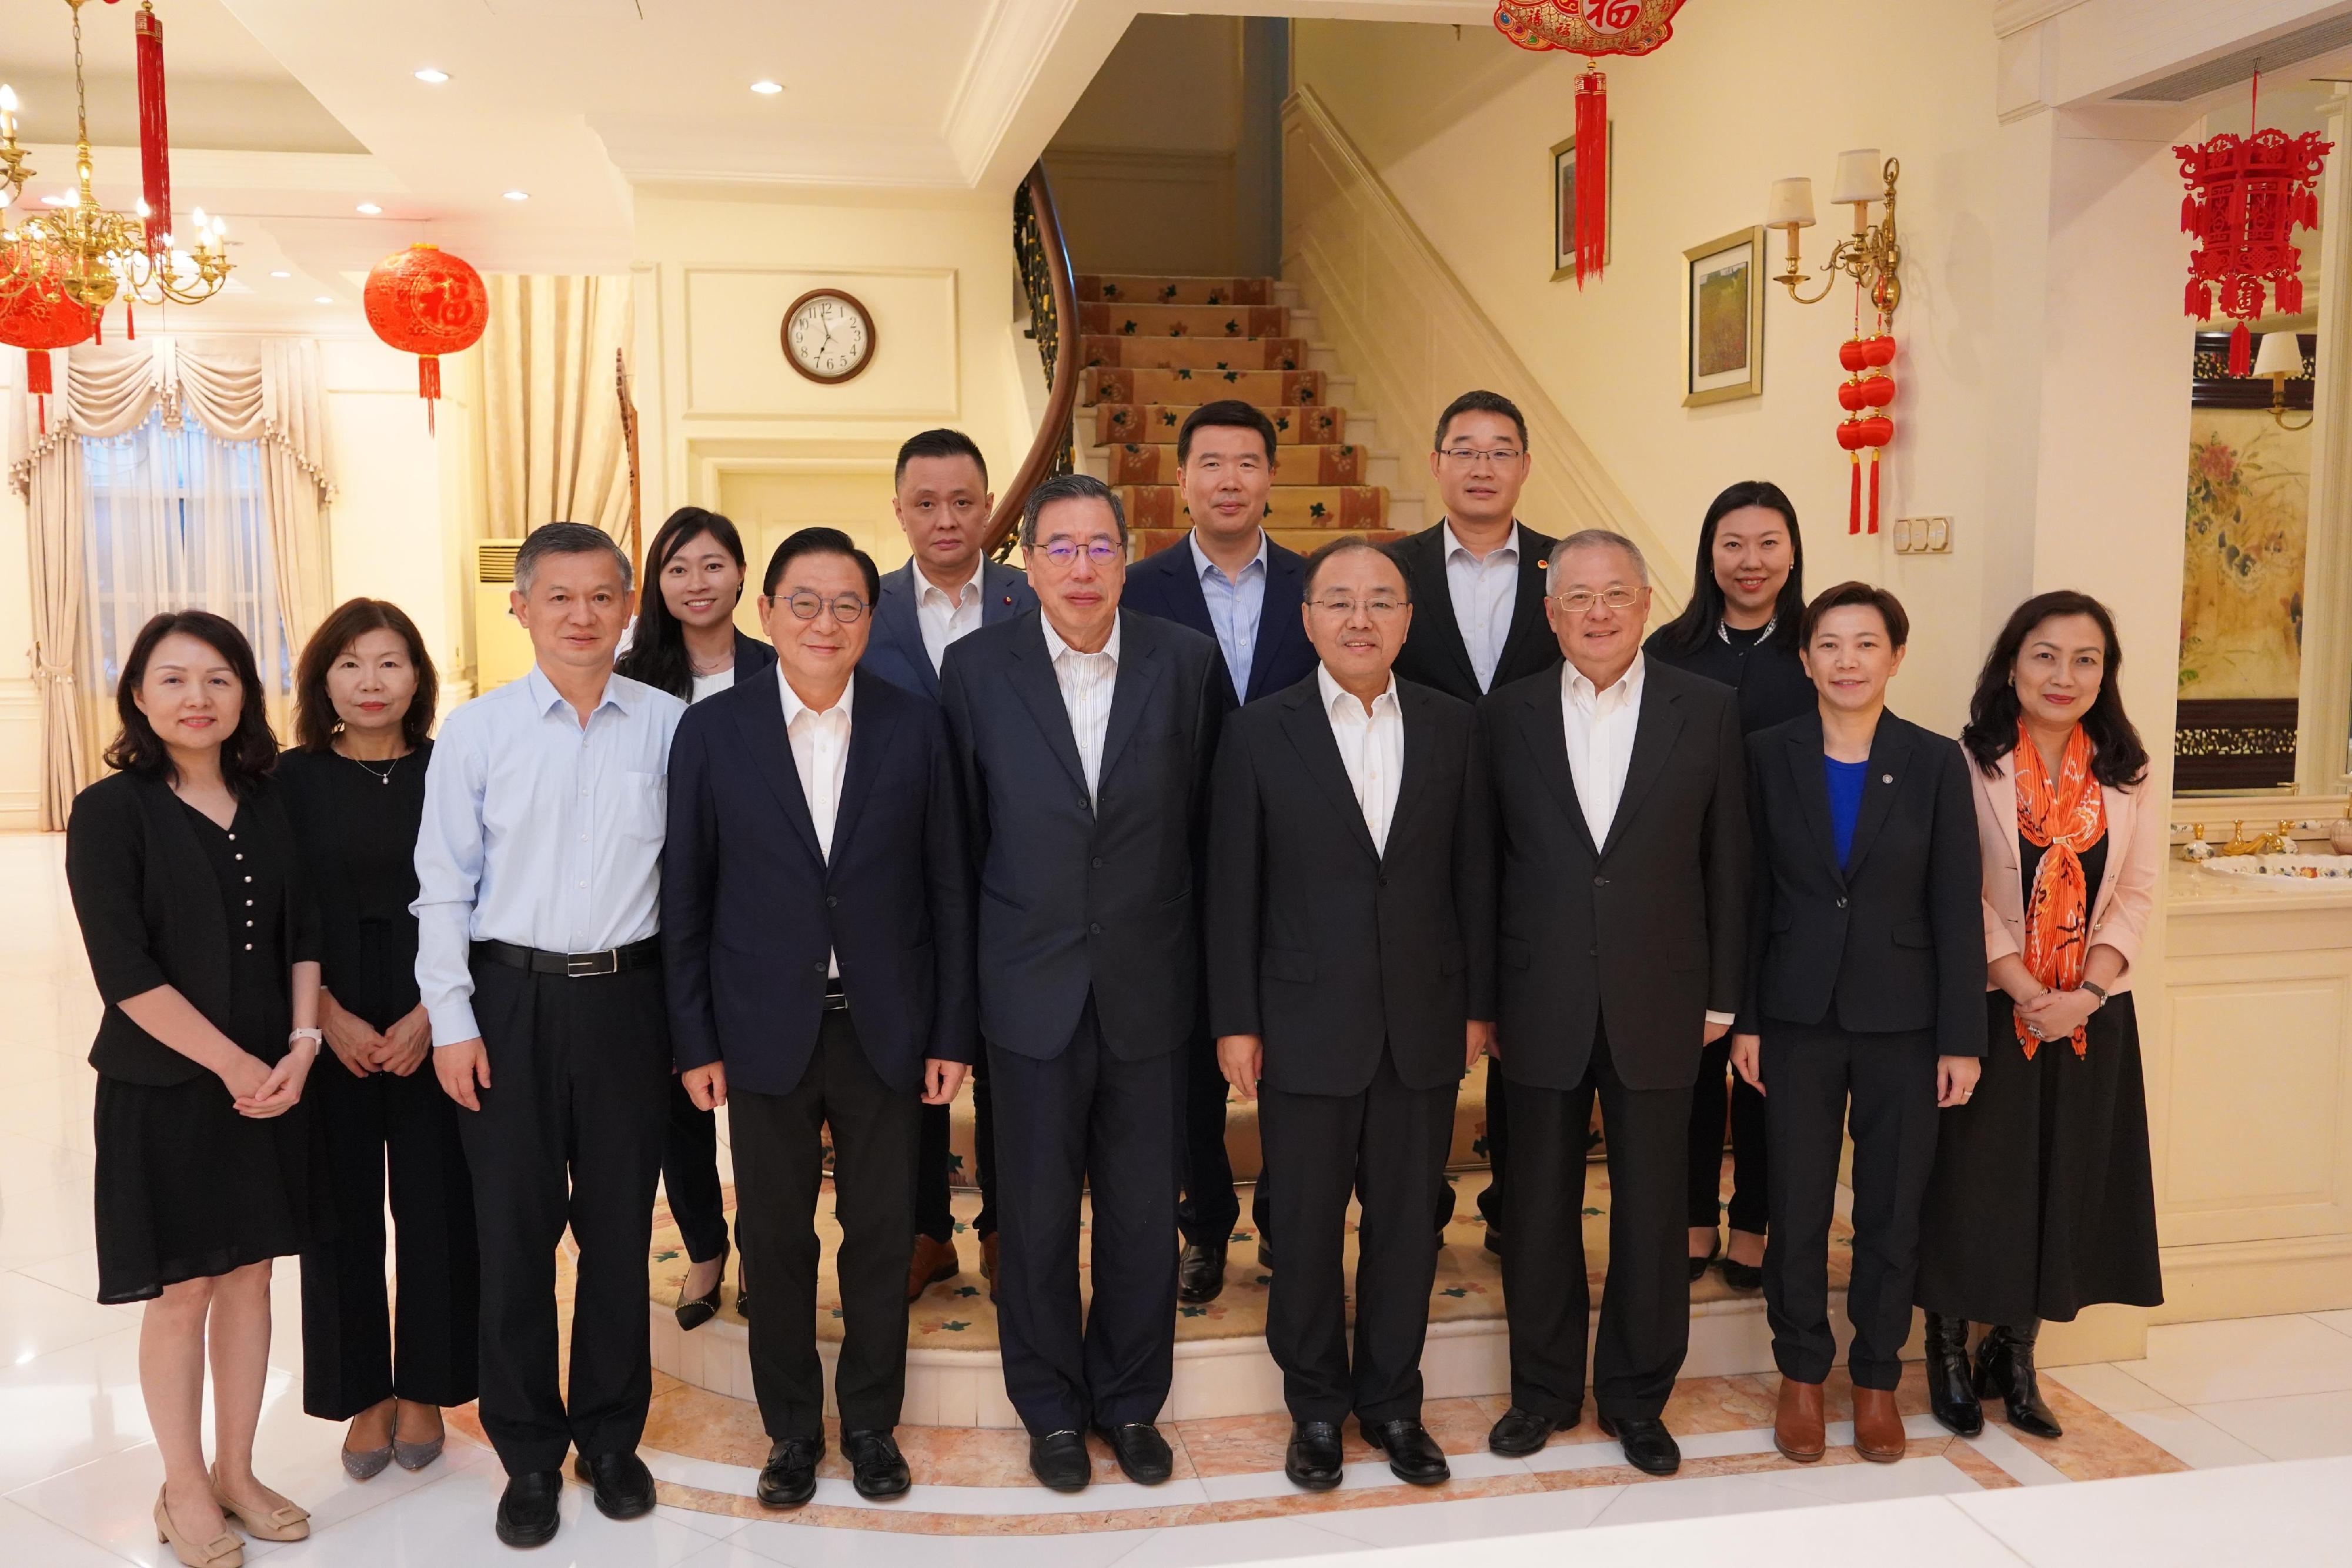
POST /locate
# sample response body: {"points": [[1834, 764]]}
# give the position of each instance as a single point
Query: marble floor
{"points": [[2230, 1441]]}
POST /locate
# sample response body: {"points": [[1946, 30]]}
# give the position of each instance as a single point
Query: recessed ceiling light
{"points": [[369, 209], [518, 195], [767, 88], [430, 75], [325, 300], [281, 275]]}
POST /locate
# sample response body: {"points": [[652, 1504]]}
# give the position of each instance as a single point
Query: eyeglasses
{"points": [[805, 605], [1339, 604], [1061, 552], [1467, 456], [1580, 601]]}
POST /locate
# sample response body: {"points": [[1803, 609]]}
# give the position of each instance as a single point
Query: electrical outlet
{"points": [[1923, 536]]}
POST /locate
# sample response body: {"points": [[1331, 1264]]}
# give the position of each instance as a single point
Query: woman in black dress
{"points": [[1747, 595], [2042, 1201], [354, 788], [201, 936], [686, 643]]}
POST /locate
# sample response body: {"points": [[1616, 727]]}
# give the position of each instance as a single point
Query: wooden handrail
{"points": [[1054, 321]]}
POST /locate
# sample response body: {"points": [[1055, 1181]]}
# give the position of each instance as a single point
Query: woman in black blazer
{"points": [[686, 643], [1866, 949], [188, 886]]}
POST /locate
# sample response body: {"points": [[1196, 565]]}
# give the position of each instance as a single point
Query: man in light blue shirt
{"points": [[539, 873]]}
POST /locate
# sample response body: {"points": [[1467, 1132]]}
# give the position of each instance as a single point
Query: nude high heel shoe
{"points": [[224, 1551]]}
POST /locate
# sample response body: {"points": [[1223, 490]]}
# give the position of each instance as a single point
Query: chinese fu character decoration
{"points": [[2247, 195], [1589, 27], [425, 302]]}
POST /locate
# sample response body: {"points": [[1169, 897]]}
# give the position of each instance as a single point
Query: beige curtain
{"points": [[554, 444]]}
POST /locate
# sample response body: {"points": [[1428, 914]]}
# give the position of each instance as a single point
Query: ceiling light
{"points": [[281, 275], [430, 75], [767, 88], [518, 195], [369, 209], [325, 300]]}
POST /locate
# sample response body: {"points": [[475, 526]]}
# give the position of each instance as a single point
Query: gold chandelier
{"points": [[90, 254]]}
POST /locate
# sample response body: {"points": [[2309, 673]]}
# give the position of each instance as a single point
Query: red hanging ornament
{"points": [[422, 301], [155, 137], [39, 318], [1592, 174], [2247, 195], [1860, 431]]}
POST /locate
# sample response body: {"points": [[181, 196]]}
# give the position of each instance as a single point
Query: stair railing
{"points": [[1046, 277]]}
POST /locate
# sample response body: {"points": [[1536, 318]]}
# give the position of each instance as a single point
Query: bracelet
{"points": [[2098, 992], [316, 1037]]}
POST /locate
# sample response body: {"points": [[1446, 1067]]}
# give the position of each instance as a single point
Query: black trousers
{"points": [[1210, 1207], [1387, 1145], [1749, 1167], [1812, 1073], [689, 1172], [1645, 1308], [1498, 1156], [779, 1142], [569, 1132], [352, 1359], [1087, 1121], [933, 1178]]}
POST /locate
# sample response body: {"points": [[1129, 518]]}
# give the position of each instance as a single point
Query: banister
{"points": [[1047, 277]]}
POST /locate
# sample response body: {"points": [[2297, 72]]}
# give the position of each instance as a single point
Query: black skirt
{"points": [[2042, 1201], [188, 1188]]}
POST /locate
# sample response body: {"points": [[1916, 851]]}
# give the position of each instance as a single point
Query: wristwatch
{"points": [[315, 1037], [2098, 992]]}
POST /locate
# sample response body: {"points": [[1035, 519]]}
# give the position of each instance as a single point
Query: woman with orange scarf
{"points": [[2042, 1202]]}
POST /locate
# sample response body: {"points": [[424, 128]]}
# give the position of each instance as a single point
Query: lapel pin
{"points": [[1886, 779]]}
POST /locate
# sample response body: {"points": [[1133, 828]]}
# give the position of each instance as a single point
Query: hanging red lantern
{"points": [[425, 302], [2247, 195], [1589, 27], [39, 317], [1861, 431]]}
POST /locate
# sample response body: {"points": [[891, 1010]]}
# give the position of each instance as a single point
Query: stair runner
{"points": [[1155, 349]]}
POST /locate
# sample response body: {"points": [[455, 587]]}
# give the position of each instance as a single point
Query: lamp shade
{"points": [[2281, 355], [1791, 206], [1861, 176]]}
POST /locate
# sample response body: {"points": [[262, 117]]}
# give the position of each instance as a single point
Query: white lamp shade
{"points": [[2281, 355], [1791, 206], [1861, 176]]}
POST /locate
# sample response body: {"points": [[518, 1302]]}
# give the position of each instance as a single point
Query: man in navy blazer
{"points": [[817, 939], [1085, 736], [1230, 581], [945, 591]]}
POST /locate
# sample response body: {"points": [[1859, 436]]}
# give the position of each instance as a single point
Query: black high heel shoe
{"points": [[2005, 1366], [694, 1312], [1951, 1394], [1699, 1265]]}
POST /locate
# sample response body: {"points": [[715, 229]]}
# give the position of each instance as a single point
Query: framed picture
{"points": [[1726, 358], [1563, 207]]}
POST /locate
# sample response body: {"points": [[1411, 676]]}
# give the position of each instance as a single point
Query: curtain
{"points": [[553, 422]]}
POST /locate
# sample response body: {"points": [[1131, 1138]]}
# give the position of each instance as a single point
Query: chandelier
{"points": [[86, 253]]}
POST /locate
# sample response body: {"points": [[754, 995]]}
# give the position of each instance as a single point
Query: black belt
{"points": [[573, 966], [837, 1000]]}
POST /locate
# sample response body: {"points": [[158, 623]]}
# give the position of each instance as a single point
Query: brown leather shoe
{"points": [[1877, 1426], [933, 1261], [988, 1262], [1797, 1425]]}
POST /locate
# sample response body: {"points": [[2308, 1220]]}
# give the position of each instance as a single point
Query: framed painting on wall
{"points": [[1563, 207], [1725, 356]]}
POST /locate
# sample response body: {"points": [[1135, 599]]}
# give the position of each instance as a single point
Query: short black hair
{"points": [[1348, 544], [1070, 487], [1226, 414], [1480, 402], [820, 541], [250, 751], [566, 538], [1865, 595], [315, 721], [942, 442]]}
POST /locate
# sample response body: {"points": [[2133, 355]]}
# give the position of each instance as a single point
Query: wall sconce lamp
{"points": [[2281, 359], [1870, 255]]}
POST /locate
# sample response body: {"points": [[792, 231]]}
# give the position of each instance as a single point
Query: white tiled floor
{"points": [[2262, 1407]]}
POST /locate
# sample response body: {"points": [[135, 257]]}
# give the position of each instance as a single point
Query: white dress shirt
{"points": [[1484, 589], [1086, 681], [820, 756], [1372, 747], [539, 832], [711, 685], [943, 619], [1237, 606]]}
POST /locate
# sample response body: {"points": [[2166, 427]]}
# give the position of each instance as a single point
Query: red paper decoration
{"points": [[425, 302], [154, 139], [2247, 195], [1863, 431], [39, 318]]}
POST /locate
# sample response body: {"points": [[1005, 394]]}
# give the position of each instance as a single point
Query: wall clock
{"points": [[828, 336]]}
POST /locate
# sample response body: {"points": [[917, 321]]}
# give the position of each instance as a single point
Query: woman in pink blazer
{"points": [[2041, 1202]]}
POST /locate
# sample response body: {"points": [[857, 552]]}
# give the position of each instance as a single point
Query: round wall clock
{"points": [[828, 336]]}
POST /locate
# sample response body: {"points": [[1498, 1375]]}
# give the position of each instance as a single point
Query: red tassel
{"points": [[130, 322], [36, 373], [428, 385], [2290, 296], [98, 327], [2200, 301], [154, 139], [1853, 501], [1873, 489], [2189, 214], [1591, 175], [2241, 352]]}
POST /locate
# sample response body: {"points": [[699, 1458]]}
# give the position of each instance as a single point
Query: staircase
{"points": [[1155, 349]]}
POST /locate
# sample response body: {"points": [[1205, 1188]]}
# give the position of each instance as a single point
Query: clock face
{"points": [[828, 336]]}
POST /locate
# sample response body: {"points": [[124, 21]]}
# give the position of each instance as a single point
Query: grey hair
{"points": [[1594, 538], [566, 538], [1070, 487]]}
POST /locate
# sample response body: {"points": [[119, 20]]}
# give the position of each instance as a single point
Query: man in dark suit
{"points": [[1620, 789], [944, 591], [1479, 580], [817, 931], [1085, 736], [1350, 983], [1232, 582]]}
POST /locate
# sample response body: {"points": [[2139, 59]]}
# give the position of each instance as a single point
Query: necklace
{"points": [[726, 664], [1723, 630], [383, 778]]}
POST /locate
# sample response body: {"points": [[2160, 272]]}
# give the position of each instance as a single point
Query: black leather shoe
{"points": [[1699, 1265], [2005, 1366], [788, 1477], [694, 1311], [1142, 1453], [1314, 1461], [1951, 1391], [876, 1468], [1059, 1459], [1520, 1432], [1742, 1276], [624, 1488], [527, 1513], [1649, 1446], [1413, 1455], [1201, 1272]]}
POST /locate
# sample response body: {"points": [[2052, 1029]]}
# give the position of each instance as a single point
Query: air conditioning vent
{"points": [[494, 559]]}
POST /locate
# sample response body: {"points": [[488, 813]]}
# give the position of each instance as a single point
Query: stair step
{"points": [[1306, 541], [1292, 506], [1111, 350], [1131, 463], [1119, 318], [1146, 288], [1293, 426], [1269, 389]]}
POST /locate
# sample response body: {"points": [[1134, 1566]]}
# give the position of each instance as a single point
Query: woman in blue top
{"points": [[1864, 1003]]}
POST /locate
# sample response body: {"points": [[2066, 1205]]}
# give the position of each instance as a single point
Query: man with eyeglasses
{"points": [[1086, 732], [817, 931], [1351, 983], [1620, 787], [1230, 581], [1478, 577]]}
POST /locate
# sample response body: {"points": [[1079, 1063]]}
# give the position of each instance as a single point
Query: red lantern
{"points": [[2247, 195], [39, 317], [422, 301], [1856, 394]]}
